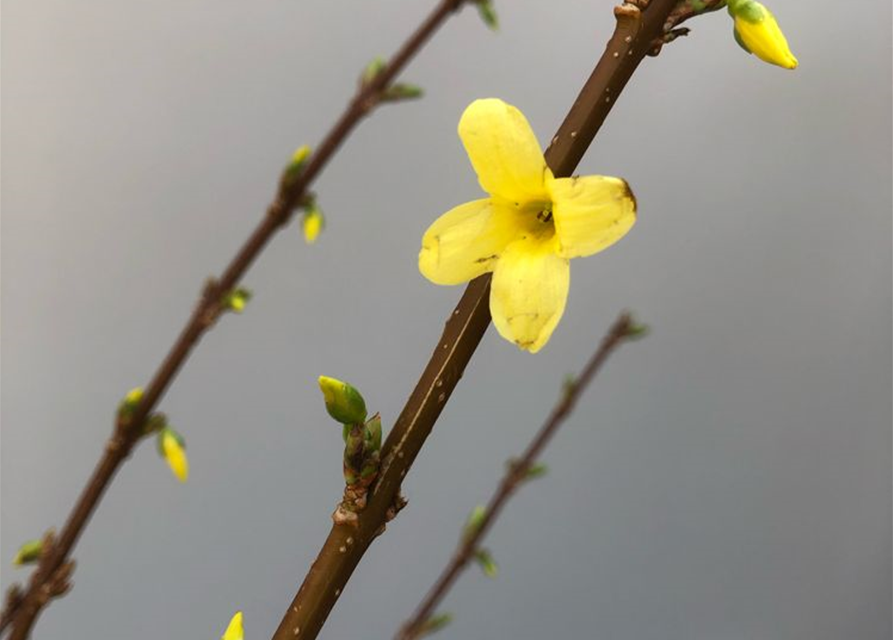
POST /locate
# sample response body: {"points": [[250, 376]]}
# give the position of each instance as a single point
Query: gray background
{"points": [[728, 478]]}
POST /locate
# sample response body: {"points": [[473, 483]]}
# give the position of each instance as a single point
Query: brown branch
{"points": [[686, 9], [622, 329], [636, 32], [23, 611]]}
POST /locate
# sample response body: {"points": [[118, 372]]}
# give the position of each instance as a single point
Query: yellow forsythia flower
{"points": [[173, 448], [529, 228], [234, 631], [757, 31], [313, 223]]}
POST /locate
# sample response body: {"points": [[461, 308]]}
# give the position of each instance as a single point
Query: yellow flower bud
{"points": [[299, 157], [313, 224], [237, 299], [234, 631], [757, 31], [172, 448], [343, 402], [296, 164], [130, 402]]}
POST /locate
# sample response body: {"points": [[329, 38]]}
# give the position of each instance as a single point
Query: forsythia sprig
{"points": [[527, 230]]}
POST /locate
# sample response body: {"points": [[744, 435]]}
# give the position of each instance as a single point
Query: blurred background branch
{"points": [[518, 472]]}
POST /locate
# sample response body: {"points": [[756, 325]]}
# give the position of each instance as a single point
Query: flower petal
{"points": [[234, 631], [465, 242], [591, 213], [529, 291], [504, 151]]}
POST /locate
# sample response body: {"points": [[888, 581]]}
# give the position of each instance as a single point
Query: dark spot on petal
{"points": [[628, 194]]}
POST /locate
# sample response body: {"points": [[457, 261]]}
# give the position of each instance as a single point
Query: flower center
{"points": [[541, 224]]}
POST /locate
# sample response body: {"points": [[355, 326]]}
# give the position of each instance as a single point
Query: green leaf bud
{"points": [[486, 562], [434, 624], [373, 433], [488, 14], [372, 69], [28, 553], [474, 522], [399, 92]]}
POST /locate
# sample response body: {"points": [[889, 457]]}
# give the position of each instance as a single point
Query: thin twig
{"points": [[514, 477], [290, 195], [636, 32]]}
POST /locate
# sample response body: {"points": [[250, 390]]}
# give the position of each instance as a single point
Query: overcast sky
{"points": [[727, 478]]}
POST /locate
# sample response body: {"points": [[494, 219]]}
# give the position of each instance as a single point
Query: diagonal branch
{"points": [[636, 32], [622, 330], [23, 610]]}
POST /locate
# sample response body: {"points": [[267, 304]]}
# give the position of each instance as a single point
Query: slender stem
{"points": [[289, 196], [514, 477], [636, 35]]}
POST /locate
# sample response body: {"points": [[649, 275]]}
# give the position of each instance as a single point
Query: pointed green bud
{"points": [[236, 299], [537, 470], [637, 331], [474, 522], [488, 14], [343, 402], [399, 92], [28, 553], [373, 433], [434, 624], [486, 562], [372, 69]]}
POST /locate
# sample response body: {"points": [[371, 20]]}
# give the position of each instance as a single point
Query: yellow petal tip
{"points": [[234, 631]]}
